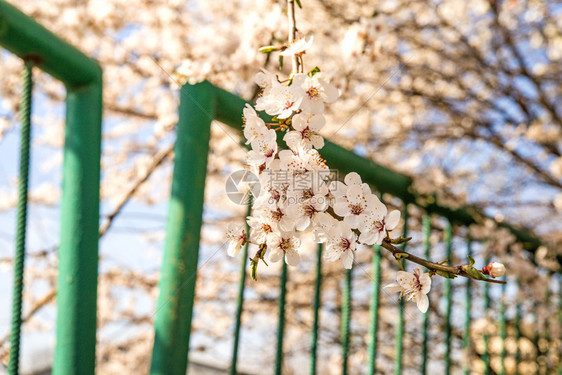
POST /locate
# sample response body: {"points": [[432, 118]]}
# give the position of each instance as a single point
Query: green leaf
{"points": [[400, 241], [474, 273], [298, 3], [269, 49], [280, 62], [313, 71], [471, 259], [253, 269]]}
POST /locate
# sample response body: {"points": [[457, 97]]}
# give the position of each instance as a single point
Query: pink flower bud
{"points": [[494, 269]]}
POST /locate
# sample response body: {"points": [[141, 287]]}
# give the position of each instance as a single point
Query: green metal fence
{"points": [[200, 104], [206, 102], [78, 251]]}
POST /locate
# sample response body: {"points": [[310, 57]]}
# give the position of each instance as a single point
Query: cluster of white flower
{"points": [[299, 193]]}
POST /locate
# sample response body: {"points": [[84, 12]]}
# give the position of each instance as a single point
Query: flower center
{"points": [[307, 134], [269, 153], [345, 244], [277, 215], [356, 209], [309, 210], [378, 225], [285, 244], [313, 92], [288, 104], [307, 194]]}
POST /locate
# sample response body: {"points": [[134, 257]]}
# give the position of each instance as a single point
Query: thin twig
{"points": [[455, 270], [293, 32]]}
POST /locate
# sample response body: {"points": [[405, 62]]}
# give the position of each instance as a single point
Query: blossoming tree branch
{"points": [[300, 195]]}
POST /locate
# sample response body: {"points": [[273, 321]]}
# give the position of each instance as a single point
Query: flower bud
{"points": [[494, 269]]}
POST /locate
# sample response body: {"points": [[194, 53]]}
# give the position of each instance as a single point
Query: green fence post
{"points": [[174, 308], [240, 299], [517, 335], [399, 335], [281, 322], [502, 330], [345, 319], [317, 293], [78, 251], [486, 354], [426, 228], [448, 299], [374, 309], [21, 226], [467, 317]]}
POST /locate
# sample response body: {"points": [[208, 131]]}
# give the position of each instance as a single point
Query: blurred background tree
{"points": [[464, 96]]}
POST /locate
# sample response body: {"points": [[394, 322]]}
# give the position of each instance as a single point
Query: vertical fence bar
{"points": [[315, 322], [77, 281], [559, 359], [374, 309], [240, 299], [399, 335], [486, 354], [21, 226], [426, 228], [448, 299], [547, 330], [467, 308], [502, 330], [517, 335], [281, 322], [174, 307], [346, 317]]}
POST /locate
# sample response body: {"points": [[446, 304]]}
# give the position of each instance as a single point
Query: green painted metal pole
{"points": [[467, 317], [502, 331], [174, 308], [448, 299], [399, 335], [486, 354], [240, 299], [517, 336], [373, 328], [345, 320], [426, 228], [559, 364], [315, 322], [281, 322], [78, 251], [21, 226]]}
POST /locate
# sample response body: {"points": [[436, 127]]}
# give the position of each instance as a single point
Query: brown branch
{"points": [[455, 270], [293, 32]]}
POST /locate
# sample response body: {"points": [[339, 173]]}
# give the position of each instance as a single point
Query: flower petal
{"points": [[392, 220], [275, 255], [422, 302], [393, 288]]}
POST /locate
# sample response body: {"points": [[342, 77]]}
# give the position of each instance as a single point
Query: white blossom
{"points": [[306, 126], [375, 223], [316, 92], [283, 243], [297, 47], [237, 236], [340, 244], [413, 286], [254, 126]]}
